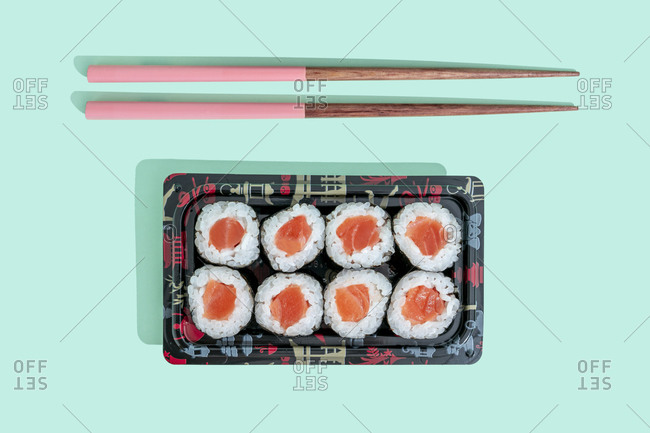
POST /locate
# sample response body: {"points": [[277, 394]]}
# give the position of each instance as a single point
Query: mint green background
{"points": [[565, 229]]}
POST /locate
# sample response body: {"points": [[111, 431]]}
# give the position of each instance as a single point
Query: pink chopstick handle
{"points": [[137, 110], [152, 73]]}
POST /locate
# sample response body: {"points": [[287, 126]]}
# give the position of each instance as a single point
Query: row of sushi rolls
{"points": [[357, 236]]}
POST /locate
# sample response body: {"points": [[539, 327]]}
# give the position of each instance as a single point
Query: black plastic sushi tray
{"points": [[184, 195]]}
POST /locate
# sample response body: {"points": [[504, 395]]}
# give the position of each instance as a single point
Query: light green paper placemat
{"points": [[69, 235]]}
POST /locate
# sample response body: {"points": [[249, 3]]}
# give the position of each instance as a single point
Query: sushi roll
{"points": [[227, 233], [358, 235], [289, 304], [423, 305], [221, 301], [355, 302], [293, 237], [428, 235]]}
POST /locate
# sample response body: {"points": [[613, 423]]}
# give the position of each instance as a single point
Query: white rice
{"points": [[379, 289], [272, 286], [246, 252], [447, 255], [433, 328], [240, 316], [369, 256], [278, 258]]}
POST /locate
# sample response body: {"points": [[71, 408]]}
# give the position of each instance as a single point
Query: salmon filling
{"points": [[289, 306], [352, 302], [226, 233], [427, 234], [358, 232], [218, 300], [293, 235], [422, 304]]}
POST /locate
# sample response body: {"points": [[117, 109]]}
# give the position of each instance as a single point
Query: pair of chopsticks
{"points": [[218, 110]]}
